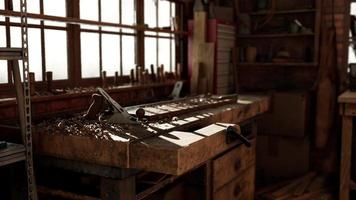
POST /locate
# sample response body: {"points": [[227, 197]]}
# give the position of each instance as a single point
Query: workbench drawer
{"points": [[241, 188], [232, 164]]}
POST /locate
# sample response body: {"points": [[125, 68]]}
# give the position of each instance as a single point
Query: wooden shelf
{"points": [[277, 64], [280, 35], [282, 12]]}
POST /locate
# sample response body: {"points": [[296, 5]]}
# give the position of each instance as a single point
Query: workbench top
{"points": [[175, 152]]}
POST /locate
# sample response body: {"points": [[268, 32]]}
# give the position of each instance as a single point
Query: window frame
{"points": [[73, 42]]}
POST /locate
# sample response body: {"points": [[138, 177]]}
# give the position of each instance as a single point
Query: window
{"points": [[90, 55], [159, 47], [56, 53], [107, 49], [3, 64], [52, 35]]}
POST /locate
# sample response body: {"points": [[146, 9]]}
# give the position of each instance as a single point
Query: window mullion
{"points": [[120, 50], [100, 42]]}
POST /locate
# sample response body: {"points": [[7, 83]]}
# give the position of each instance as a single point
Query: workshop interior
{"points": [[177, 99]]}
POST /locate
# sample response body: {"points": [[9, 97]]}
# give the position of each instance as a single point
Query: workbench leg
{"points": [[208, 180], [118, 189], [346, 146]]}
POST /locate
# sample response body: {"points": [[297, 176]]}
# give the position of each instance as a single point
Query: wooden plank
{"points": [[199, 36], [178, 152], [206, 59], [12, 159], [346, 146], [11, 149], [91, 150], [11, 54], [121, 153]]}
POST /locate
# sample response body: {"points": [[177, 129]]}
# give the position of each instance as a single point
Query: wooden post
{"points": [[153, 76], [103, 79], [346, 147], [118, 189], [116, 80], [49, 79], [132, 76]]}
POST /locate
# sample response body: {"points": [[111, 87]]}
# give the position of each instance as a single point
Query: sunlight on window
{"points": [[89, 9], [34, 49], [55, 8], [150, 52], [15, 37], [353, 9], [128, 12], [164, 15], [2, 7], [56, 53], [3, 72], [110, 13], [111, 53], [2, 36], [164, 53], [90, 55], [150, 13], [3, 64], [128, 54], [173, 61]]}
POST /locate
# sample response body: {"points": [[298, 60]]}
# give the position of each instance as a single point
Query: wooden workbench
{"points": [[175, 154], [347, 102]]}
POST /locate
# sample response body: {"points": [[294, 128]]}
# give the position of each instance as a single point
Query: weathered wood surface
{"points": [[241, 188], [232, 164], [11, 154], [345, 169], [172, 153]]}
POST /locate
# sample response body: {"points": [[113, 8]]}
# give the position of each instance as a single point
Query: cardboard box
{"points": [[281, 157], [289, 115]]}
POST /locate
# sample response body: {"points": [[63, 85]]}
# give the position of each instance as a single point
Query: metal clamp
{"points": [[233, 134]]}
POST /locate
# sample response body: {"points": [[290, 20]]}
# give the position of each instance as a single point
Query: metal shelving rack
{"points": [[14, 55]]}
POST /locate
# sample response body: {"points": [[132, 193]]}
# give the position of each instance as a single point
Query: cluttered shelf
{"points": [[281, 12], [271, 64], [281, 35]]}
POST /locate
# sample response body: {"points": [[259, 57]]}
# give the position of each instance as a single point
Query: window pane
{"points": [[353, 9], [128, 14], [164, 53], [2, 7], [150, 13], [15, 34], [55, 8], [150, 52], [15, 37], [90, 55], [89, 9], [56, 53], [2, 36], [3, 71], [3, 64], [35, 56], [173, 57], [111, 53], [164, 16], [110, 13], [128, 53]]}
